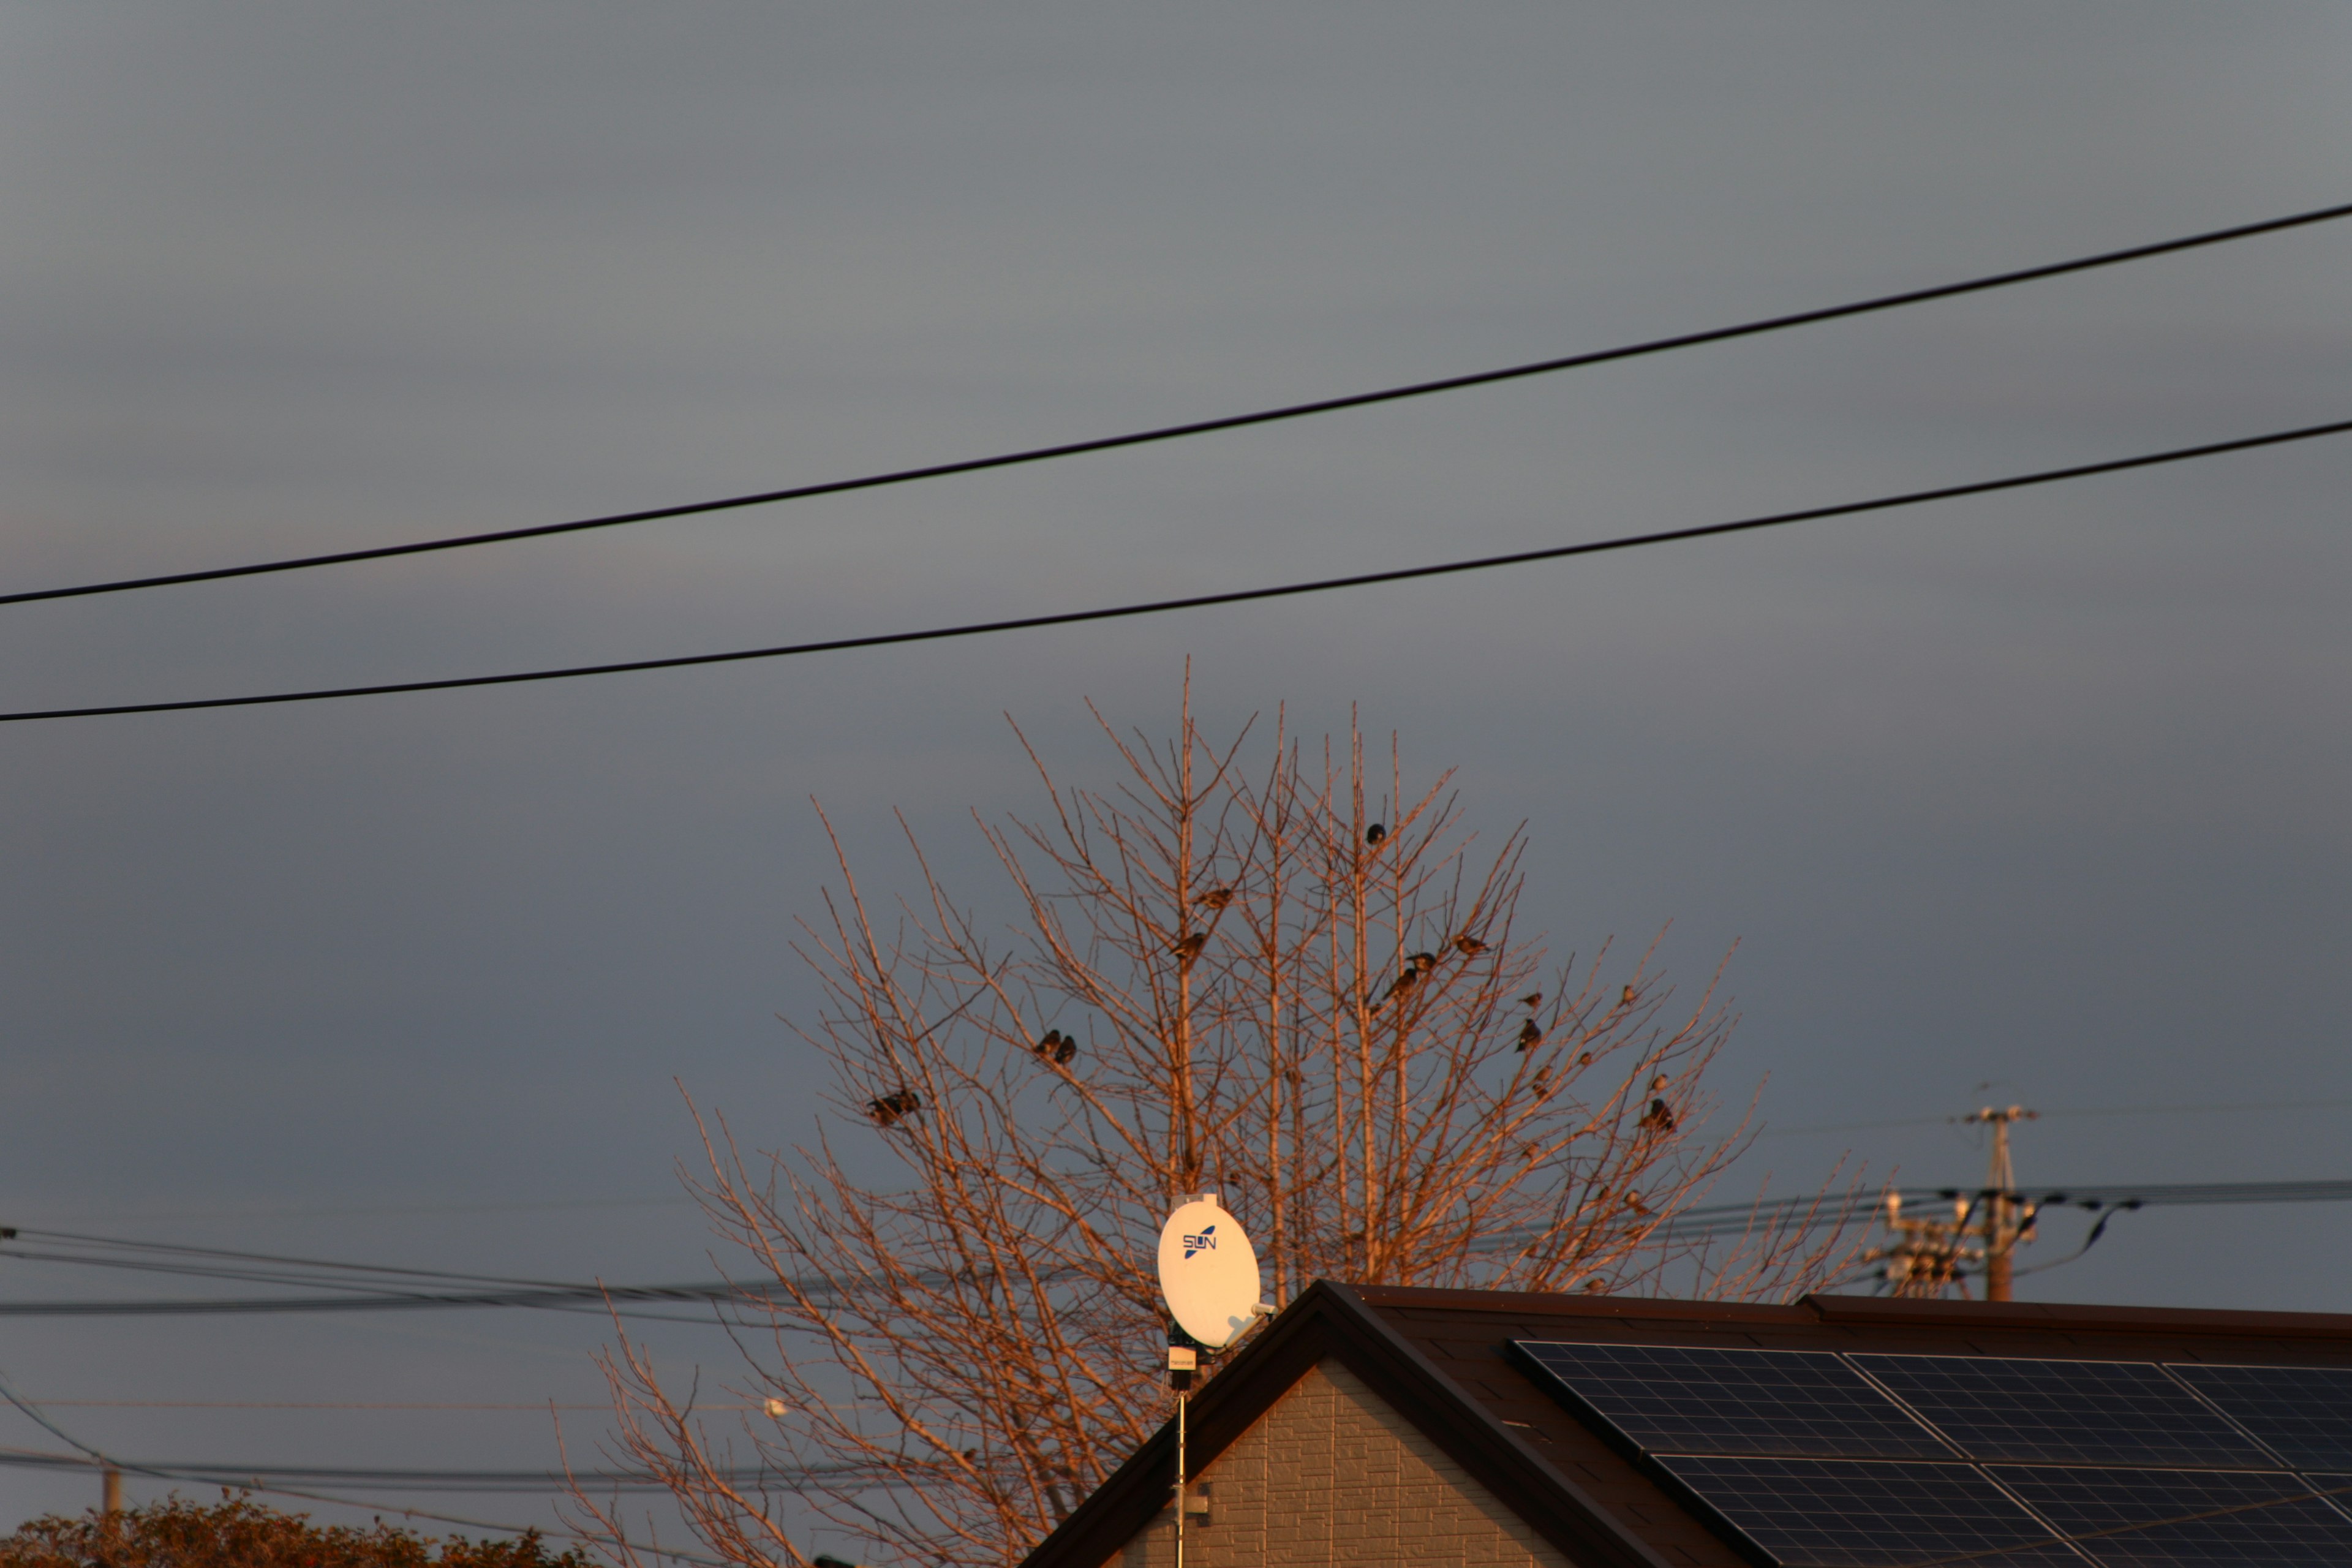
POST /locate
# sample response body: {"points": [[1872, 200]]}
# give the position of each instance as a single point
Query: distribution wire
{"points": [[601, 1299], [541, 1408], [1202, 601], [218, 1473], [1717, 1220], [1701, 1222], [98, 1456], [359, 1286], [1211, 426], [364, 1287]]}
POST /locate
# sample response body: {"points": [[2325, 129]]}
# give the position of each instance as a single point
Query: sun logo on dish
{"points": [[1204, 1242]]}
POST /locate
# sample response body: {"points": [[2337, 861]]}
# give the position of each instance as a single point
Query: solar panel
{"points": [[2302, 1411], [2064, 1412], [1700, 1399], [2187, 1519], [1804, 1460], [1847, 1513]]}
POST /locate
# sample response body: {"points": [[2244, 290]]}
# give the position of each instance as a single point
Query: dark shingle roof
{"points": [[1440, 1359]]}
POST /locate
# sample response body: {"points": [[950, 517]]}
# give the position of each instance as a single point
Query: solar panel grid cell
{"points": [[1692, 1398], [2064, 1412], [2187, 1519], [2304, 1413], [1846, 1513]]}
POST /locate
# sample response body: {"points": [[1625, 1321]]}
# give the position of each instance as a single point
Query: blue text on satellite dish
{"points": [[1204, 1242]]}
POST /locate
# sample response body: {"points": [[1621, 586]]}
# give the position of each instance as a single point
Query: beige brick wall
{"points": [[1332, 1476]]}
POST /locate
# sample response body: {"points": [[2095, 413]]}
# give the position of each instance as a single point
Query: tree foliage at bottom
{"points": [[237, 1532]]}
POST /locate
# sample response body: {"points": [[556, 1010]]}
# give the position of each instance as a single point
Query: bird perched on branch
{"points": [[1531, 1001], [1405, 980], [1422, 963], [1470, 945], [1375, 833], [891, 1108], [1530, 1036], [1056, 1046], [1626, 1000], [1066, 1052], [1189, 948], [1215, 897], [1659, 1118]]}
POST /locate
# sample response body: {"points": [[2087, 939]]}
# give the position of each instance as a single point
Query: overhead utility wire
{"points": [[364, 1285], [1812, 1212], [227, 1474], [124, 1244], [1211, 426], [1202, 601], [571, 1298], [597, 1299], [2198, 1109], [1697, 1223], [99, 1457]]}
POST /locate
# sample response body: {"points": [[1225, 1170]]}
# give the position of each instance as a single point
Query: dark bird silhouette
{"points": [[1215, 897], [891, 1108], [1375, 833], [1530, 1036], [1659, 1118], [1532, 1000], [1403, 982], [1065, 1053], [1044, 1047], [1190, 947], [1626, 999], [1470, 945], [1422, 963]]}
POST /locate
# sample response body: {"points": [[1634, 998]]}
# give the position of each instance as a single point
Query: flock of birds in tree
{"points": [[1062, 1049]]}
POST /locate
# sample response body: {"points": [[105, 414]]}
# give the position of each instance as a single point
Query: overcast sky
{"points": [[2044, 792]]}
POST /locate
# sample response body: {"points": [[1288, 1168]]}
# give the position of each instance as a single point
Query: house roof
{"points": [[1440, 1359]]}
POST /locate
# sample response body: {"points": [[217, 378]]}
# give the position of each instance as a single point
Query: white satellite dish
{"points": [[1208, 1272]]}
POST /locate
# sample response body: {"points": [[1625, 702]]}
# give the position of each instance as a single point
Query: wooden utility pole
{"points": [[2006, 1219], [111, 1490]]}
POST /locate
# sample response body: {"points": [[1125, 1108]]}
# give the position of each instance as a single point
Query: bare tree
{"points": [[1288, 981]]}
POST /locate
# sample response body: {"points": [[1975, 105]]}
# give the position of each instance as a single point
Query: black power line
{"points": [[98, 1457], [1696, 1223], [1233, 596], [213, 1473], [1717, 1220], [561, 1297], [1211, 426]]}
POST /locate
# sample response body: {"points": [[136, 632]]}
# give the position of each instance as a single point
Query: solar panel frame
{"points": [[1863, 1513], [1728, 1400], [2114, 1414], [2287, 1408], [2149, 1518]]}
